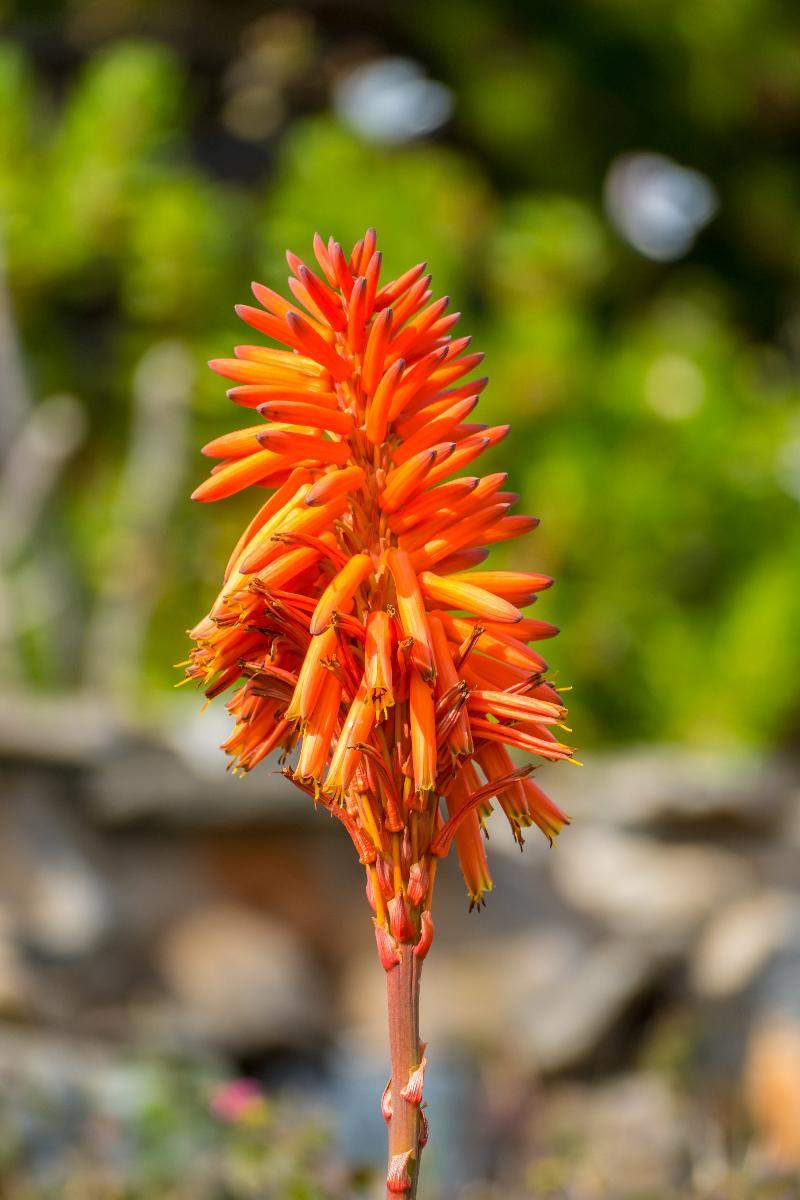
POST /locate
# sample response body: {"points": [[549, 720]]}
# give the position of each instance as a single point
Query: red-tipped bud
{"points": [[418, 880], [385, 878], [425, 935], [406, 851], [400, 919], [387, 947]]}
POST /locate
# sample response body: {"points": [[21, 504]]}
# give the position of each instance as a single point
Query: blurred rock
{"points": [[740, 941], [663, 784], [546, 998], [51, 873], [155, 781], [14, 980], [72, 730], [641, 887], [561, 1025], [241, 981], [626, 1139], [772, 1087]]}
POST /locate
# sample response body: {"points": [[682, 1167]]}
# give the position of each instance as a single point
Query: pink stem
{"points": [[402, 982]]}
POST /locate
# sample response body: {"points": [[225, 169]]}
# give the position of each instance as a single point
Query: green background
{"points": [[156, 157]]}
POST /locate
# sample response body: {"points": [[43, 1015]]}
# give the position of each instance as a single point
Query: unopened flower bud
{"points": [[425, 935], [385, 878], [399, 919], [418, 880], [387, 947]]}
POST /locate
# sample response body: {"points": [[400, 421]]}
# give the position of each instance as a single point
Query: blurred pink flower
{"points": [[238, 1100]]}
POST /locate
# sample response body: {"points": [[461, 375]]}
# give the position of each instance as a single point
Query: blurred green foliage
{"points": [[655, 406]]}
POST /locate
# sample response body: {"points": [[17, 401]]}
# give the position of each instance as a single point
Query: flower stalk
{"points": [[364, 642], [402, 1103]]}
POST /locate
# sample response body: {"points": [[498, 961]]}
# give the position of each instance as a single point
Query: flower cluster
{"points": [[364, 641], [338, 618]]}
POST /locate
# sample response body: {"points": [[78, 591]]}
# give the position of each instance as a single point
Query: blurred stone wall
{"points": [[146, 904]]}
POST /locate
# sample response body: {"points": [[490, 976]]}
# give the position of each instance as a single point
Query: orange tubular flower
{"points": [[352, 621]]}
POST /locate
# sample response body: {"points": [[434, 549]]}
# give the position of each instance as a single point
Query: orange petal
{"points": [[375, 353], [309, 341], [414, 379], [378, 408], [403, 482], [500, 645], [298, 445], [326, 301], [239, 474], [266, 323], [286, 493], [344, 276], [409, 337], [523, 739], [289, 565], [511, 584], [363, 252], [251, 395], [285, 362], [454, 593], [317, 738], [298, 520], [323, 258], [543, 811], [463, 820], [431, 502], [515, 707], [372, 273], [459, 738], [335, 484], [395, 289], [312, 415], [378, 660], [463, 454], [412, 301], [346, 753], [411, 607], [357, 316], [311, 678], [434, 431], [236, 444], [423, 733], [338, 595], [461, 560], [526, 630]]}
